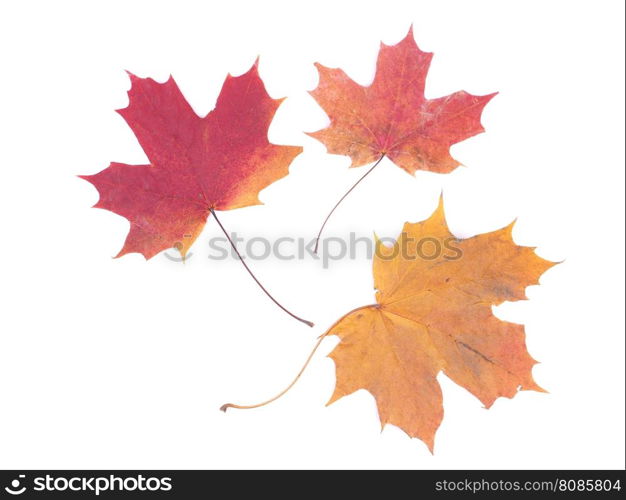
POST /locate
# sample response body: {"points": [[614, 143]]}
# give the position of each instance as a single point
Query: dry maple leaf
{"points": [[433, 313], [391, 117], [197, 165]]}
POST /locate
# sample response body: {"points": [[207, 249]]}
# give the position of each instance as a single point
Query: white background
{"points": [[124, 363]]}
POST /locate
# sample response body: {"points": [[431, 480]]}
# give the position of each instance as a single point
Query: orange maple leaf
{"points": [[392, 116], [433, 313]]}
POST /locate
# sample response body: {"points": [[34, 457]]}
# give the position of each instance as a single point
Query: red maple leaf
{"points": [[391, 117], [219, 162], [197, 165]]}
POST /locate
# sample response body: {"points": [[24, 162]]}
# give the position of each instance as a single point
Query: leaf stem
{"points": [[317, 240], [281, 393], [232, 244], [306, 363]]}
